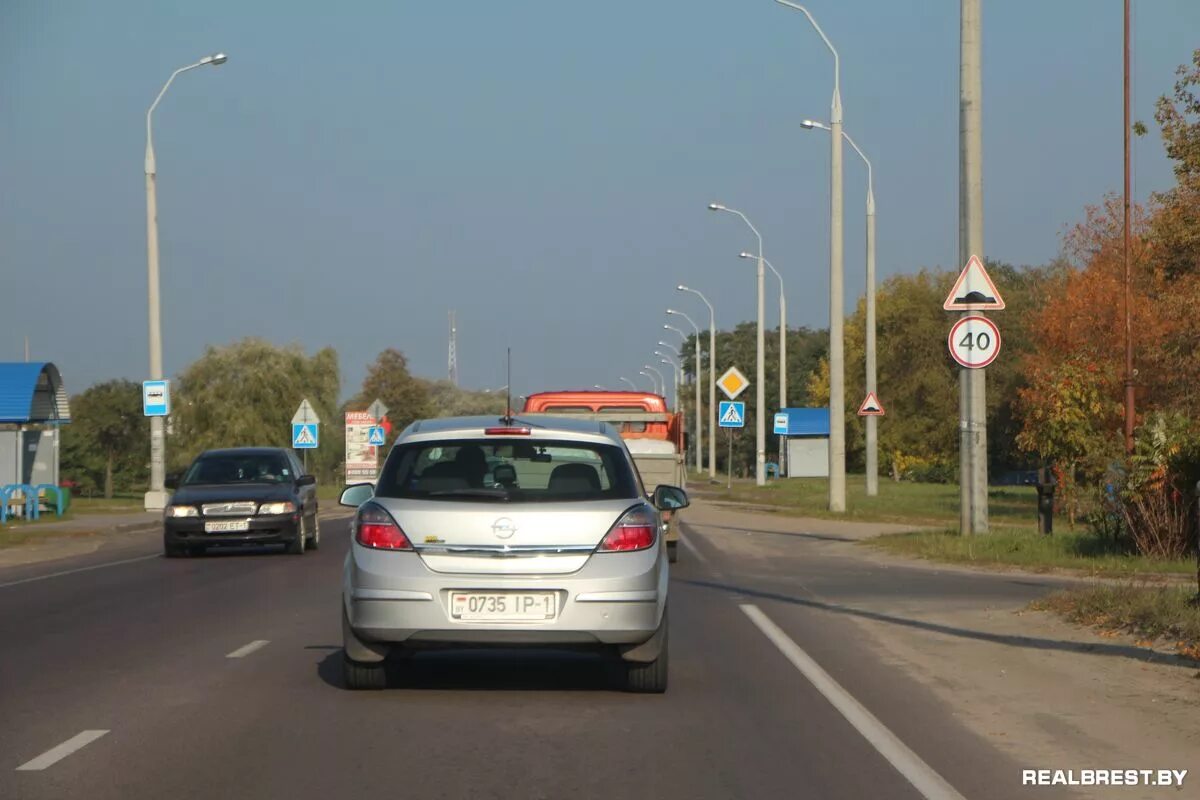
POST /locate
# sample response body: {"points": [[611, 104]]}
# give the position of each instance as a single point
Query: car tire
{"points": [[296, 546], [314, 541], [363, 677], [672, 552], [649, 677]]}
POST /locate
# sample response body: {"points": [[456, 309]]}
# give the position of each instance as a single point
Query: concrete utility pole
{"points": [[760, 392], [972, 382], [712, 380], [699, 429], [782, 356], [1129, 387], [156, 498], [837, 370]]}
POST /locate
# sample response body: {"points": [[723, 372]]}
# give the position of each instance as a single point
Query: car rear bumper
{"points": [[614, 599], [265, 529]]}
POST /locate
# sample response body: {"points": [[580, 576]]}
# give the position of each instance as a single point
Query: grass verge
{"points": [[1167, 613], [1020, 547], [902, 502]]}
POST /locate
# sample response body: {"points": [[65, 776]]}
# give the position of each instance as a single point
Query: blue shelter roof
{"points": [[807, 421], [32, 392]]}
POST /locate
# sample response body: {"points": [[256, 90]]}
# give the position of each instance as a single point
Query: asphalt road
{"points": [[220, 677]]}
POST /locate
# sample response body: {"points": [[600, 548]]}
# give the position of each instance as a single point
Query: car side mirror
{"points": [[354, 496], [171, 481], [306, 480], [670, 498]]}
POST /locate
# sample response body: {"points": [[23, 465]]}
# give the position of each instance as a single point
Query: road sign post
{"points": [[306, 429], [156, 398], [731, 414]]}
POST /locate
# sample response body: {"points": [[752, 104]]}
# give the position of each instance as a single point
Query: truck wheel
{"points": [[672, 552], [363, 677]]}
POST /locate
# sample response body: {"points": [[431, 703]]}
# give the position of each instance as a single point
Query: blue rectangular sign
{"points": [[781, 423], [731, 414], [305, 435], [156, 398]]}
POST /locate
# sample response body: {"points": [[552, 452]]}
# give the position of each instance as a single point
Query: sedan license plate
{"points": [[503, 606], [231, 526]]}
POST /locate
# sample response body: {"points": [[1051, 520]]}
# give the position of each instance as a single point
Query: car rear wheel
{"points": [[363, 677], [649, 677]]}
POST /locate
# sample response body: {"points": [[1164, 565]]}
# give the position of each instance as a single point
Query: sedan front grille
{"points": [[229, 509]]}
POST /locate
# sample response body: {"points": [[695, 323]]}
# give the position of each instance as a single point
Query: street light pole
{"points": [[653, 383], [676, 373], [782, 356], [632, 385], [156, 497], [661, 378], [699, 429], [712, 379], [872, 421], [760, 423], [837, 387]]}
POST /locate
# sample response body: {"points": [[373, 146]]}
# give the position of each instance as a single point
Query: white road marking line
{"points": [[247, 649], [56, 754], [923, 778], [80, 569]]}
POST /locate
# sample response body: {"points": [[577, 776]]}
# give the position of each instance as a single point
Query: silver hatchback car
{"points": [[510, 532]]}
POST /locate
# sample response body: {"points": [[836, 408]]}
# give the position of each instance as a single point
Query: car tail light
{"points": [[377, 529], [636, 530], [507, 431]]}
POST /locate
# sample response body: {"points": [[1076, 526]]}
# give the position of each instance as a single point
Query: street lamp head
{"points": [[715, 207], [681, 288], [672, 311], [216, 59], [809, 124], [744, 254]]}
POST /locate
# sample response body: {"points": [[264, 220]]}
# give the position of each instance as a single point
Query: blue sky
{"points": [[542, 167]]}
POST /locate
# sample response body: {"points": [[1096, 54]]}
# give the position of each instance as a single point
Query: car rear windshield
{"points": [[231, 469], [488, 470]]}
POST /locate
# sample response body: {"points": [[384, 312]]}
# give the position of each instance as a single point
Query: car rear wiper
{"points": [[501, 494]]}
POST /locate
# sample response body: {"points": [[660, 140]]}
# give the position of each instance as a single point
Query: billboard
{"points": [[362, 459]]}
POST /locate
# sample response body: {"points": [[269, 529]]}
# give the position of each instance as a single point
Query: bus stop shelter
{"points": [[807, 442], [33, 404]]}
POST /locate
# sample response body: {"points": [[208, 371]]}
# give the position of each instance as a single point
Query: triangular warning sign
{"points": [[305, 436], [974, 290], [732, 415], [871, 407]]}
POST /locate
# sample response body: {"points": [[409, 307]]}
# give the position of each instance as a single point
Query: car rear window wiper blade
{"points": [[478, 492]]}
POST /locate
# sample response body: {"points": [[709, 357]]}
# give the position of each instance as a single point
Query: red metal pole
{"points": [[1129, 394]]}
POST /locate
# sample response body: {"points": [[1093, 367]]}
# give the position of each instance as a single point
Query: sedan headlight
{"points": [[286, 507], [182, 511]]}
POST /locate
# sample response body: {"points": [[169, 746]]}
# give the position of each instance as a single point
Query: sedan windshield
{"points": [[234, 469], [483, 470]]}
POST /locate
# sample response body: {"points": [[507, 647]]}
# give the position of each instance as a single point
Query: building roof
{"points": [[32, 392], [807, 421]]}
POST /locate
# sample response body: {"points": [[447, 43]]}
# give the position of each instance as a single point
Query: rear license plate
{"points": [[231, 526], [503, 606]]}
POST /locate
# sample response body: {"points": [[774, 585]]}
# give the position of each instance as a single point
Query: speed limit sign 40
{"points": [[974, 342]]}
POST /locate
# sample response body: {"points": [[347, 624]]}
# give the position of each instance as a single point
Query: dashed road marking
{"points": [[923, 778], [247, 649], [56, 754]]}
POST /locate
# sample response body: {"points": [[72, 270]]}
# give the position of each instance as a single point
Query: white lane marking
{"points": [[923, 778], [56, 754], [247, 649], [80, 569]]}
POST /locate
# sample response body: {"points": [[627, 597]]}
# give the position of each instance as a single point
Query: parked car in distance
{"points": [[241, 496], [533, 531]]}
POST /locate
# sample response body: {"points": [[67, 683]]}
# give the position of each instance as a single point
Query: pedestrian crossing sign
{"points": [[375, 437], [305, 435], [731, 414]]}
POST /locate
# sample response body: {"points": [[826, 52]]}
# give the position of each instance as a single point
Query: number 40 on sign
{"points": [[974, 342]]}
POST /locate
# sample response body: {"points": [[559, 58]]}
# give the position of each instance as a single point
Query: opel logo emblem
{"points": [[504, 528]]}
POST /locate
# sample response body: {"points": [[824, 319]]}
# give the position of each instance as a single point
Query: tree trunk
{"points": [[108, 477]]}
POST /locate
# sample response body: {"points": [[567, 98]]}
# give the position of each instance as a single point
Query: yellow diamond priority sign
{"points": [[732, 383]]}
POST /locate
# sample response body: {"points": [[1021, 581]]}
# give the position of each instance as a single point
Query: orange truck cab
{"points": [[653, 434]]}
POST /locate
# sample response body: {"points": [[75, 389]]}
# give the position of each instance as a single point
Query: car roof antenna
{"points": [[507, 419]]}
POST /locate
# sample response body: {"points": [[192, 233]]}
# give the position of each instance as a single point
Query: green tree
{"points": [[388, 379], [107, 443], [245, 394], [1175, 228], [448, 400]]}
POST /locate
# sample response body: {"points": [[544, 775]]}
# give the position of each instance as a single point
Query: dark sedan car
{"points": [[242, 496]]}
